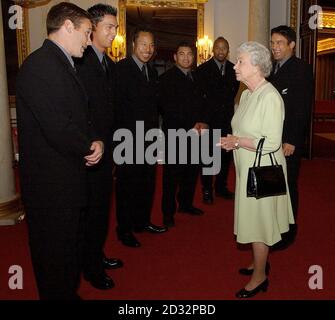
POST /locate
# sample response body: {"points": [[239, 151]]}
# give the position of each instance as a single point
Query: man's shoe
{"points": [[192, 210], [128, 239], [207, 196], [151, 228], [111, 263], [101, 281], [225, 193], [168, 221]]}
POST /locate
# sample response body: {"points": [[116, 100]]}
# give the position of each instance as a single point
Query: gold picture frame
{"points": [[22, 38], [199, 5]]}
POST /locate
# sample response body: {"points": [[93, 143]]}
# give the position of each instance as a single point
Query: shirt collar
{"points": [[282, 62], [219, 64], [183, 70], [65, 52], [138, 62], [98, 53]]}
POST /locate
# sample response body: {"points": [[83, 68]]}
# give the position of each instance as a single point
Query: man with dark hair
{"points": [[56, 141], [97, 71], [293, 78], [181, 106], [218, 81], [136, 100]]}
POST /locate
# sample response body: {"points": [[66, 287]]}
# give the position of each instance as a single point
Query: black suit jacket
{"points": [[100, 87], [220, 93], [294, 81], [54, 130], [136, 98], [181, 101]]}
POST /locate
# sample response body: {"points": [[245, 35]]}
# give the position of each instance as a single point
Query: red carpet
{"points": [[199, 258], [324, 139]]}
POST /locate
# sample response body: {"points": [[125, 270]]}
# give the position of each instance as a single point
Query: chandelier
{"points": [[205, 47], [117, 50]]}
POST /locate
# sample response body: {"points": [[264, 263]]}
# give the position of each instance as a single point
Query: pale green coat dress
{"points": [[259, 114]]}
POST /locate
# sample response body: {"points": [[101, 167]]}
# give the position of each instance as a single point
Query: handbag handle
{"points": [[259, 154]]}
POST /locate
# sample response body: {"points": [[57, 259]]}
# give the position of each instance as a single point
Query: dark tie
{"points": [[277, 67], [104, 64], [144, 72], [189, 76], [221, 70]]}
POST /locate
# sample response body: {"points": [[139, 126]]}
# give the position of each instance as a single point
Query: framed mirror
{"points": [[195, 5]]}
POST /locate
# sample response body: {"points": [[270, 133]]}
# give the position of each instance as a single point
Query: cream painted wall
{"points": [[231, 18], [279, 12]]}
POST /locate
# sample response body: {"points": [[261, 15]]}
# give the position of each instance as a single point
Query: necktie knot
{"points": [[277, 67]]}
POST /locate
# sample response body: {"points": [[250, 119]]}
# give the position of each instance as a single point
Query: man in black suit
{"points": [[219, 83], [97, 70], [293, 78], [136, 100], [56, 142], [182, 107]]}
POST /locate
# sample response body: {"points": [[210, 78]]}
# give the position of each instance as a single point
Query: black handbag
{"points": [[266, 181]]}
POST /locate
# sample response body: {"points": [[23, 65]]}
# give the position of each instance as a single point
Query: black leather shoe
{"points": [[111, 263], [168, 221], [151, 228], [128, 239], [101, 281], [243, 293], [192, 210], [225, 193], [207, 196], [249, 272]]}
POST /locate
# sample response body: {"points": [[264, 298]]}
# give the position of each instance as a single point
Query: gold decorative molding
{"points": [[31, 3], [294, 15], [199, 5], [328, 20], [326, 45], [22, 38]]}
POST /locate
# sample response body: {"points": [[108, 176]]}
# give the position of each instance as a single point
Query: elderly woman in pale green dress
{"points": [[260, 114]]}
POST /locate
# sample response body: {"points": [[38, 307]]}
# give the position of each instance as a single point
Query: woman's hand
{"points": [[229, 143]]}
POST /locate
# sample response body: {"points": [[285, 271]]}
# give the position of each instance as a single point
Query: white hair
{"points": [[259, 56]]}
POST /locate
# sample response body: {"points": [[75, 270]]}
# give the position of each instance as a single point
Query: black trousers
{"points": [[96, 229], [182, 177], [222, 177], [226, 158], [135, 186], [293, 169], [55, 238]]}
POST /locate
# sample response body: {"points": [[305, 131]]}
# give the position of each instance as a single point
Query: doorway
{"points": [[170, 27], [171, 21], [318, 48]]}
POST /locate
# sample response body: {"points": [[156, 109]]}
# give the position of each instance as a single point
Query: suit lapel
{"points": [[65, 62]]}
